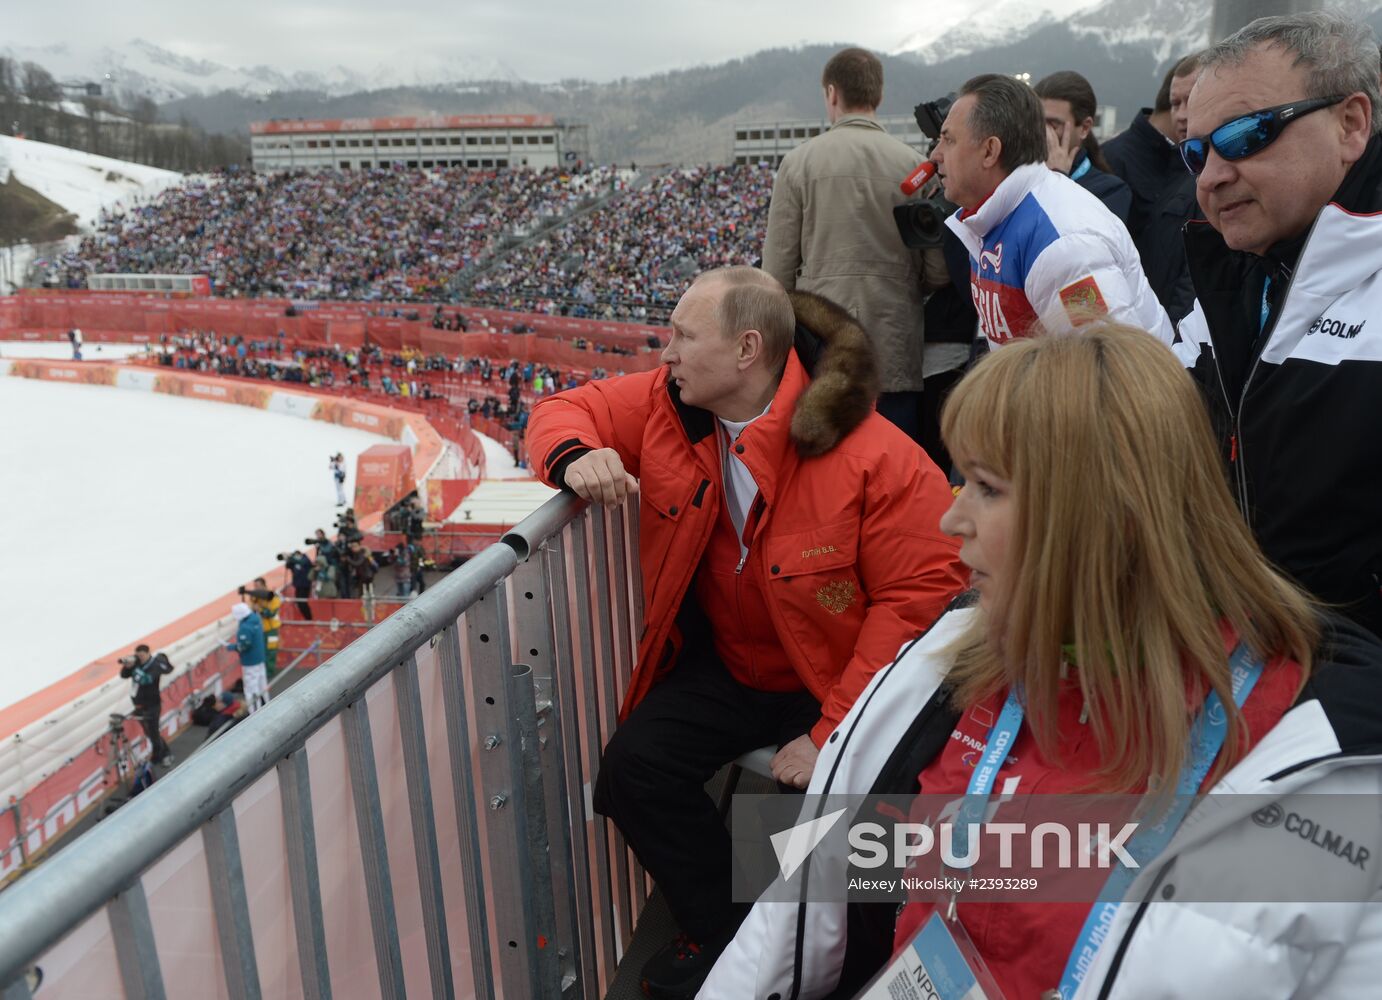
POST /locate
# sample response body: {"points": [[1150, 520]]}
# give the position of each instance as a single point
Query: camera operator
{"points": [[338, 476], [249, 643], [267, 605], [401, 559], [415, 518], [147, 673], [325, 548], [831, 230], [359, 561], [347, 530], [300, 569]]}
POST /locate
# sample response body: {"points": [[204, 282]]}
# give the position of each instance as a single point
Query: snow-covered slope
{"points": [[1166, 27], [141, 68], [964, 29], [81, 182]]}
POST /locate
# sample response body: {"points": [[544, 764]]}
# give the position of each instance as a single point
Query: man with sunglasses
{"points": [[1286, 334]]}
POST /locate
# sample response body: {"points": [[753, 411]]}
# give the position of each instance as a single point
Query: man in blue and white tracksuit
{"points": [[1045, 254], [249, 643]]}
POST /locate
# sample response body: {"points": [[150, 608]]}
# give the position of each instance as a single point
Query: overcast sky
{"points": [[538, 39]]}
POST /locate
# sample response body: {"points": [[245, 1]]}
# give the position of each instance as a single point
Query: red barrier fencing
{"points": [[139, 317], [43, 813]]}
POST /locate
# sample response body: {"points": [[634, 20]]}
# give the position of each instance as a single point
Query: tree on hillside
{"points": [[39, 84]]}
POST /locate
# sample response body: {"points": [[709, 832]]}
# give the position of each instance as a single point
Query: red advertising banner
{"points": [[124, 316], [46, 810], [383, 476]]}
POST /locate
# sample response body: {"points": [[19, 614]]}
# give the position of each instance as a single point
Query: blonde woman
{"points": [[1120, 598]]}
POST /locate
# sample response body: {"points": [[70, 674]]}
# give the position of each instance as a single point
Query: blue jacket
{"points": [[249, 641]]}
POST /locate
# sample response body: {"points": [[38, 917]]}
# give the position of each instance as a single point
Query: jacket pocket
{"points": [[818, 568], [666, 494], [817, 550]]}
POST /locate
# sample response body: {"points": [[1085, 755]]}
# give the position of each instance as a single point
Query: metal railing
{"points": [[445, 756]]}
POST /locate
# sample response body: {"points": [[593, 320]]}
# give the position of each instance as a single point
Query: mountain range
{"points": [[687, 115]]}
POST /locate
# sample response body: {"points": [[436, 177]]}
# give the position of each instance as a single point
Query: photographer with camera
{"points": [[299, 567], [325, 548], [249, 643], [147, 672], [1045, 254], [831, 230], [401, 558], [347, 530], [338, 476], [267, 605], [359, 562]]}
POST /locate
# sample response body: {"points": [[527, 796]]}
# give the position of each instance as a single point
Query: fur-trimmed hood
{"points": [[837, 354]]}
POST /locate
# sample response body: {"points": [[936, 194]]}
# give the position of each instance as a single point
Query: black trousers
{"points": [[652, 781], [148, 718], [300, 595]]}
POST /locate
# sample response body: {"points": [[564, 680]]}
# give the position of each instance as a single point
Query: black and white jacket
{"points": [[1159, 945], [1297, 406]]}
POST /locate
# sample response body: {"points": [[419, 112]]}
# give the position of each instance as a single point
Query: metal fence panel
{"points": [[268, 878], [448, 754]]}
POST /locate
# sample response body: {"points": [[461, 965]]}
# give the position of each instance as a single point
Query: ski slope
{"points": [[499, 460], [54, 350], [82, 183], [123, 511]]}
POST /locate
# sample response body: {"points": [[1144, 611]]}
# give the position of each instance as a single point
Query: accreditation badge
{"points": [[940, 962]]}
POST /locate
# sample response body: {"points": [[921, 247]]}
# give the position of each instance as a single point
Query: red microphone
{"points": [[917, 179]]}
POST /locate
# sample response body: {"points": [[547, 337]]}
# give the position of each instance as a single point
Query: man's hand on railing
{"points": [[793, 764], [599, 476]]}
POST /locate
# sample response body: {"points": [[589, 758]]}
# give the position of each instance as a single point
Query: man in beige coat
{"points": [[831, 229]]}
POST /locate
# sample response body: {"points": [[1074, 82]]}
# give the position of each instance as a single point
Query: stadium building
{"points": [[472, 141], [769, 142]]}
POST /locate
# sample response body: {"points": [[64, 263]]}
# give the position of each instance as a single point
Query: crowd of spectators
{"points": [[403, 235], [631, 258], [387, 233], [494, 390]]}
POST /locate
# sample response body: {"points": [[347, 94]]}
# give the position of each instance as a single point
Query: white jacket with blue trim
{"points": [[1042, 249], [1158, 945]]}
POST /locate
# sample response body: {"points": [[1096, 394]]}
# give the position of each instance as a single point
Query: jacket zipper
{"points": [[1107, 986], [1237, 450]]}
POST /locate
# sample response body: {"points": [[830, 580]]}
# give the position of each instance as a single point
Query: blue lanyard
{"points": [[1081, 170], [1207, 737], [1266, 304]]}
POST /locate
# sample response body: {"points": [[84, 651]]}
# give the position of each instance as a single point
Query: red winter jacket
{"points": [[848, 537]]}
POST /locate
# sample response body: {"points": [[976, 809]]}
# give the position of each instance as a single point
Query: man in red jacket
{"points": [[789, 543]]}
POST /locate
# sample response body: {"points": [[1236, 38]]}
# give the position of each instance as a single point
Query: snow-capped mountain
{"points": [[1165, 27], [948, 35], [142, 69], [1170, 27]]}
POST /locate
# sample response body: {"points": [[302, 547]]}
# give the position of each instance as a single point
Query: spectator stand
{"points": [[595, 244]]}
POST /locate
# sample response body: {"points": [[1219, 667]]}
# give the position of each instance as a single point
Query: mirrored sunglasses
{"points": [[1249, 134]]}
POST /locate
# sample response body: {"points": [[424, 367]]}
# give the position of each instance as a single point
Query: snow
{"points": [[50, 350], [141, 67], [960, 29], [130, 510], [82, 183], [499, 460], [504, 501], [14, 264]]}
